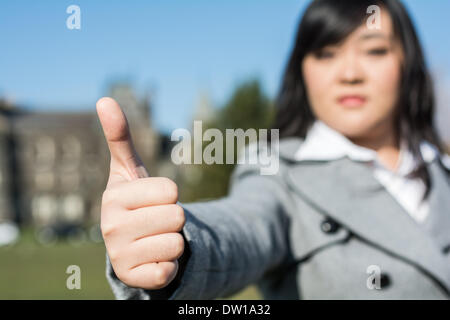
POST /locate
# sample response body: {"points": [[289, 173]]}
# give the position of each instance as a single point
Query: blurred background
{"points": [[167, 63]]}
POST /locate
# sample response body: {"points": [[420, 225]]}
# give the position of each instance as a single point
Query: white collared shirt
{"points": [[323, 143]]}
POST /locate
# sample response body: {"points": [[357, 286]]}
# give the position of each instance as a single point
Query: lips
{"points": [[352, 101]]}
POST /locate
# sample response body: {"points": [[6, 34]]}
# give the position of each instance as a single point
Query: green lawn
{"points": [[29, 270]]}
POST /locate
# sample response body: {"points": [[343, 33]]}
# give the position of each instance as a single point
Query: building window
{"points": [[70, 181], [45, 150], [71, 153], [73, 208], [44, 209], [44, 180]]}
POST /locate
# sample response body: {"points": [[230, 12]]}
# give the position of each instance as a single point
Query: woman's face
{"points": [[353, 87]]}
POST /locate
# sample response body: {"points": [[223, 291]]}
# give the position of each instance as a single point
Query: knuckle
{"points": [[178, 245], [160, 277], [171, 190], [125, 277], [114, 255], [179, 217], [108, 228], [109, 196]]}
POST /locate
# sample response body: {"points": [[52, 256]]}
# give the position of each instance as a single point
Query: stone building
{"points": [[62, 161], [62, 164], [7, 210]]}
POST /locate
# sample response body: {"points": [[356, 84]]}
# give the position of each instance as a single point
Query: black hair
{"points": [[328, 22]]}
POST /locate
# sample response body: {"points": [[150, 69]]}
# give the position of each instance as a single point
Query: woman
{"points": [[360, 207]]}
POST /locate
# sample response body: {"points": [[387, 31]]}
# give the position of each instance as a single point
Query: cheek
{"points": [[385, 82], [318, 81]]}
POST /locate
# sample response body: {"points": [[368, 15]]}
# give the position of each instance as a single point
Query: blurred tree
{"points": [[248, 107]]}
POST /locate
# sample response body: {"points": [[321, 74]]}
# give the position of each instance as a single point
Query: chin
{"points": [[353, 127]]}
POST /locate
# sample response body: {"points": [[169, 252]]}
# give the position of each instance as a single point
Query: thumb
{"points": [[125, 162]]}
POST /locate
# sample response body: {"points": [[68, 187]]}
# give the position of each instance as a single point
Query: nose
{"points": [[350, 71]]}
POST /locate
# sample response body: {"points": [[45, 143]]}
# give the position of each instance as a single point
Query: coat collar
{"points": [[348, 192], [324, 143], [289, 147]]}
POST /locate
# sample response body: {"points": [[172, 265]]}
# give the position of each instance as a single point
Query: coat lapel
{"points": [[348, 192]]}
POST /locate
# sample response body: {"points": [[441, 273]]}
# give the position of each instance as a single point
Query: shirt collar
{"points": [[323, 143]]}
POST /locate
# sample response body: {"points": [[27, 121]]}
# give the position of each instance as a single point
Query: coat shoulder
{"points": [[267, 159]]}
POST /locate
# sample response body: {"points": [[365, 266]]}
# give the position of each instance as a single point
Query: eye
{"points": [[378, 51], [324, 54]]}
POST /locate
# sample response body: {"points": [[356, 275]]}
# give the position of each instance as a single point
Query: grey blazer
{"points": [[316, 230]]}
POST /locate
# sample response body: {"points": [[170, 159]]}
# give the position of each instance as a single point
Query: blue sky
{"points": [[178, 47]]}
